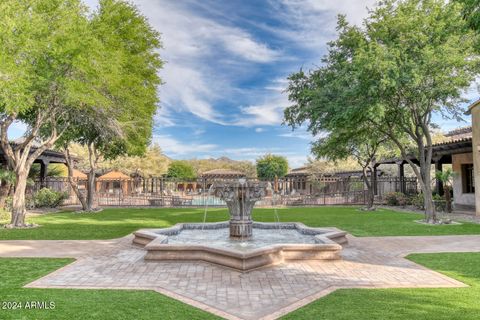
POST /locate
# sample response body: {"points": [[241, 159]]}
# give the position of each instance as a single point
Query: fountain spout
{"points": [[240, 197]]}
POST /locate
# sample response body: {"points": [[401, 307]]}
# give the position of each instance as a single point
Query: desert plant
{"points": [[46, 198], [418, 201], [447, 178], [396, 199]]}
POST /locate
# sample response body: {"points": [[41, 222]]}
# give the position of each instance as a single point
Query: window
{"points": [[468, 179], [116, 184]]}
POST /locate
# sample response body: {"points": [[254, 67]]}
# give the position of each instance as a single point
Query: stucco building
{"points": [[474, 111]]}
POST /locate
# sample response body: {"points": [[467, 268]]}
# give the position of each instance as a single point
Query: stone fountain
{"points": [[240, 198], [241, 243]]}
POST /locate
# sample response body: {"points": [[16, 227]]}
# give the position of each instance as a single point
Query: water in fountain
{"points": [[276, 217]]}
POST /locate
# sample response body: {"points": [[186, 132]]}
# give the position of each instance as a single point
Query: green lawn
{"points": [[114, 223], [422, 304], [368, 304], [81, 304]]}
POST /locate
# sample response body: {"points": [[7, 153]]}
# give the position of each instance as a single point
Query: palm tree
{"points": [[7, 180], [447, 178]]}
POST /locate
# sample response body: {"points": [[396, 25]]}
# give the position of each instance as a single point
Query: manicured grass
{"points": [[368, 304], [81, 304], [421, 304], [114, 223]]}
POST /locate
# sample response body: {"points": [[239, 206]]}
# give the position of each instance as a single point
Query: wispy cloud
{"points": [[268, 113], [297, 135], [174, 147], [194, 47], [311, 23]]}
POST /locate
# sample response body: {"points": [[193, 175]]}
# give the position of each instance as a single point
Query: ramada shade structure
{"points": [[222, 174], [47, 157]]}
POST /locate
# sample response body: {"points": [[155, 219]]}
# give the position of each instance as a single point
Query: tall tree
{"points": [[362, 145], [271, 167], [47, 67], [412, 59], [131, 86], [182, 170]]}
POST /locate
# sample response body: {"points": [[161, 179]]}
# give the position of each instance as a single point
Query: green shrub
{"points": [[440, 205], [418, 201], [46, 198], [4, 215], [396, 199]]}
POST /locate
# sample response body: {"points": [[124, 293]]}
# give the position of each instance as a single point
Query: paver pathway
{"points": [[260, 294]]}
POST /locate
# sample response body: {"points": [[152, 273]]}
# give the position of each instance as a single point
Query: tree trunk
{"points": [[93, 159], [448, 199], [430, 214], [18, 205], [90, 190], [21, 157], [370, 195], [72, 182]]}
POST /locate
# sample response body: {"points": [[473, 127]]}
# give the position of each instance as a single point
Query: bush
{"points": [[46, 198], [440, 205], [439, 202], [4, 215], [418, 201], [396, 199]]}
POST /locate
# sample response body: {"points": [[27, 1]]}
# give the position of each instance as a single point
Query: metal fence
{"points": [[160, 192]]}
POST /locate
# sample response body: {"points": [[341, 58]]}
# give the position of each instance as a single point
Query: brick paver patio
{"points": [[265, 293]]}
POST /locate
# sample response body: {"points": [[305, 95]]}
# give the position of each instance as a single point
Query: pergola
{"points": [[222, 174], [442, 154], [47, 157]]}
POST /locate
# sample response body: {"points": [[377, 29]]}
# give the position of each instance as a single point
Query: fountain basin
{"points": [[271, 243]]}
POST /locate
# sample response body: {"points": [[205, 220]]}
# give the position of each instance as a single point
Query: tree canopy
{"points": [[181, 170], [410, 60], [271, 166], [72, 76], [471, 11]]}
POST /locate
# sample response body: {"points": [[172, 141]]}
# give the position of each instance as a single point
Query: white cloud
{"points": [[164, 118], [298, 135], [174, 147], [295, 161], [247, 152], [265, 114], [258, 130], [192, 44], [312, 22]]}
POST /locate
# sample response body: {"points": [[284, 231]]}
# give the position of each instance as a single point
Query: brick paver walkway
{"points": [[265, 293]]}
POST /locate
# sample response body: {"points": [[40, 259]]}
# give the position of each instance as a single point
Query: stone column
{"points": [[474, 110]]}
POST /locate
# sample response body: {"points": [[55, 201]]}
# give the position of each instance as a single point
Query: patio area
{"points": [[267, 293]]}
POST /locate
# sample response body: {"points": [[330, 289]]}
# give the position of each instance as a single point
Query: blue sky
{"points": [[226, 67]]}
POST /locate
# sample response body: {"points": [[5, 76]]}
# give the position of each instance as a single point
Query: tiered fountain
{"points": [[241, 243]]}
